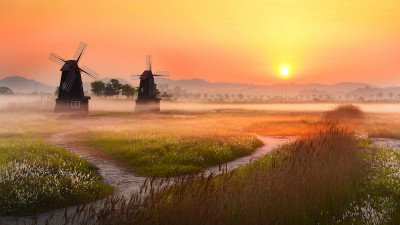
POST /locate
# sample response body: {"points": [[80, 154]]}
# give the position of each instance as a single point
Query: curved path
{"points": [[117, 175]]}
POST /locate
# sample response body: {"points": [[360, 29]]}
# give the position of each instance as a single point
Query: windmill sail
{"points": [[81, 49], [57, 59]]}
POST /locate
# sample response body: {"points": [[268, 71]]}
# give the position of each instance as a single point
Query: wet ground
{"points": [[386, 143]]}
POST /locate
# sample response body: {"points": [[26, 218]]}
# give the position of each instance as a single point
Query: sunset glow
{"points": [[324, 41], [284, 70]]}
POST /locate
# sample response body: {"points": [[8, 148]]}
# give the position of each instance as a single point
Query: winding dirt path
{"points": [[116, 173], [113, 172]]}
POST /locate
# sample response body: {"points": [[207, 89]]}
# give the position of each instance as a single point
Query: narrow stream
{"points": [[386, 143]]}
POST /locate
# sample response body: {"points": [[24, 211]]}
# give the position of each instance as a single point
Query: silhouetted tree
{"points": [[57, 91], [6, 91], [380, 95], [98, 87], [113, 88], [128, 90]]}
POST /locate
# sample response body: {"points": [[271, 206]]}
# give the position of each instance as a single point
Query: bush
{"points": [[345, 112]]}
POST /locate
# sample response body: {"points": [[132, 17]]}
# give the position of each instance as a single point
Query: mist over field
{"points": [[47, 103]]}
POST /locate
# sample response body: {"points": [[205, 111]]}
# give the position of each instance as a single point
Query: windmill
{"points": [[147, 93], [70, 94]]}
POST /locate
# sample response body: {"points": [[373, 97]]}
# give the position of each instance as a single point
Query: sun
{"points": [[284, 70]]}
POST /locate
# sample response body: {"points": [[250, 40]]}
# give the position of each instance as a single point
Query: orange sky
{"points": [[243, 41]]}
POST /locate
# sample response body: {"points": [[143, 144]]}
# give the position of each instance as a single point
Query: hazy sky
{"points": [[324, 41]]}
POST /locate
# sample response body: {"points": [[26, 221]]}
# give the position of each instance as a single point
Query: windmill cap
{"points": [[69, 65], [146, 74]]}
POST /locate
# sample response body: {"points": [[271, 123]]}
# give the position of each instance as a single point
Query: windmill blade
{"points": [[134, 76], [157, 75], [91, 73], [161, 74], [69, 81], [148, 62], [81, 48], [57, 59]]}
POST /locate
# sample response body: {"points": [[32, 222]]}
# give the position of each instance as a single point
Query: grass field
{"points": [[175, 146], [330, 175], [327, 177], [36, 176]]}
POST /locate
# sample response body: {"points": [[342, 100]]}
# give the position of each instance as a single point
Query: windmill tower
{"points": [[148, 100], [71, 97]]}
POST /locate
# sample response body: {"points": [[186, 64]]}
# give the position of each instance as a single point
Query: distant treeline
{"points": [[112, 88]]}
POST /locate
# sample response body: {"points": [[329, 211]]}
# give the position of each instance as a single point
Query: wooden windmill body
{"points": [[71, 97], [148, 100]]}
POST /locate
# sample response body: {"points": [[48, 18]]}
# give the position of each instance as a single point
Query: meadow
{"points": [[37, 176], [329, 175], [163, 146]]}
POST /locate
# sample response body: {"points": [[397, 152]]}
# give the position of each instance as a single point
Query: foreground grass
{"points": [[37, 176], [164, 149]]}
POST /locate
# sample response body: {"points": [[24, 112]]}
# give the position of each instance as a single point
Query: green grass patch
{"points": [[36, 176], [159, 151]]}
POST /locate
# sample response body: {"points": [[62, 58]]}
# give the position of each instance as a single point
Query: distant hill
{"points": [[26, 86], [346, 90], [289, 89]]}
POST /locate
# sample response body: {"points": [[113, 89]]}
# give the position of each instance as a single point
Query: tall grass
{"points": [[310, 181]]}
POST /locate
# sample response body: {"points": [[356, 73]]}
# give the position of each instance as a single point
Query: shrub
{"points": [[344, 112]]}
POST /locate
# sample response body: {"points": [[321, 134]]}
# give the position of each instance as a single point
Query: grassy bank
{"points": [[165, 148], [37, 176]]}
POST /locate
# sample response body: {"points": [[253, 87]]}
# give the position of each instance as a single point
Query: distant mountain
{"points": [[345, 89], [288, 89], [25, 86]]}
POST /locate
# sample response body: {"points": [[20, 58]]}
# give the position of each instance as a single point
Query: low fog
{"points": [[47, 103]]}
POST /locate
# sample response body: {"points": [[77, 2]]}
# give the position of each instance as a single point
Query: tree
{"points": [[6, 91], [98, 87], [109, 90], [113, 88], [128, 90], [57, 91], [380, 95]]}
